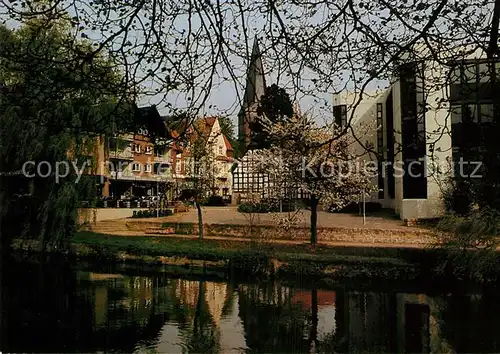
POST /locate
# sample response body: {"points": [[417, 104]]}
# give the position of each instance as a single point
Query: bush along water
{"points": [[470, 243]]}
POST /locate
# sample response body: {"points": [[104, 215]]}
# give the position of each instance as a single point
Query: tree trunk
{"points": [[314, 220], [200, 221]]}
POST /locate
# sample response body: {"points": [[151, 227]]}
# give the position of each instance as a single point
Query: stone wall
{"points": [[92, 215]]}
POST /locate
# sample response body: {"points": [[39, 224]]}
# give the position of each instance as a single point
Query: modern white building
{"points": [[419, 127]]}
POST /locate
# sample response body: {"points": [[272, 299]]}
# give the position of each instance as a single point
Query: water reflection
{"points": [[50, 308]]}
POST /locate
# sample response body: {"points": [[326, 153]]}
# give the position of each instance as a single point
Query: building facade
{"points": [[135, 163], [219, 153], [417, 130]]}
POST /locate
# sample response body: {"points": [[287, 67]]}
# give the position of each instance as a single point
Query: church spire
{"points": [[255, 88], [256, 81]]}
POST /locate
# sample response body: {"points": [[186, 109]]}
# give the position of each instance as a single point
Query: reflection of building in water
{"points": [[206, 308], [270, 295], [215, 296], [418, 325], [187, 291], [388, 322]]}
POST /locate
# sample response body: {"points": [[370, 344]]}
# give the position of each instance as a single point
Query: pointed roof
{"points": [[227, 143], [256, 81]]}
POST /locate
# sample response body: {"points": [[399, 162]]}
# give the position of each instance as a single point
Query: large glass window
{"points": [[340, 114], [486, 111], [472, 110], [413, 131]]}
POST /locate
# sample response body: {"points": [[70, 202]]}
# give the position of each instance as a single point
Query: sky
{"points": [[226, 94]]}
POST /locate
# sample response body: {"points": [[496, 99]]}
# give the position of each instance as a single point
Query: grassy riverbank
{"points": [[227, 256], [253, 258]]}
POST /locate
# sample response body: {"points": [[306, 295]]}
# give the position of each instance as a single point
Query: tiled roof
{"points": [[224, 158], [227, 143]]}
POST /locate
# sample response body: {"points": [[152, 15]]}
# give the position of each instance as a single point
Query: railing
{"points": [[120, 174], [122, 154], [162, 159], [128, 137]]}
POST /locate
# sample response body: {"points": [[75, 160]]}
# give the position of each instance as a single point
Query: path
{"points": [[230, 215]]}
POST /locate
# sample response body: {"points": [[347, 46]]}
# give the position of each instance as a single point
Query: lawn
{"points": [[216, 250]]}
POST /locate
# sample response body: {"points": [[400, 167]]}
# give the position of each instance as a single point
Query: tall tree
{"points": [[276, 104], [200, 167], [54, 104]]}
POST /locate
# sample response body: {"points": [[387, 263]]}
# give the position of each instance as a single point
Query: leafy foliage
{"points": [[479, 229], [54, 104], [275, 104]]}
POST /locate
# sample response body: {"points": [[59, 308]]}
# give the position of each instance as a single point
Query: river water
{"points": [[51, 307]]}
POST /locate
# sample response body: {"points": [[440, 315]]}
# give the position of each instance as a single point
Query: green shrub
{"points": [[478, 229], [470, 245], [214, 200], [262, 207], [458, 197]]}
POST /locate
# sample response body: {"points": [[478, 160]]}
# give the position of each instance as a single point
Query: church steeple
{"points": [[255, 88]]}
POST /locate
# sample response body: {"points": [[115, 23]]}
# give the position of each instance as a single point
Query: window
{"points": [[143, 132], [413, 132], [380, 149], [389, 133], [148, 168], [220, 150], [486, 113], [470, 113], [455, 75], [136, 167], [340, 114], [178, 163], [149, 150], [137, 148]]}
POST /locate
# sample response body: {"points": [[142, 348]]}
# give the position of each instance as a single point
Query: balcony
{"points": [[122, 154], [128, 137], [121, 175], [162, 159]]}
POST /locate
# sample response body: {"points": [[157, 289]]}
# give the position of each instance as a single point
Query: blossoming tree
{"points": [[304, 156]]}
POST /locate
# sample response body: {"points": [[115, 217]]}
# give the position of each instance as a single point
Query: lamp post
{"points": [[364, 207]]}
